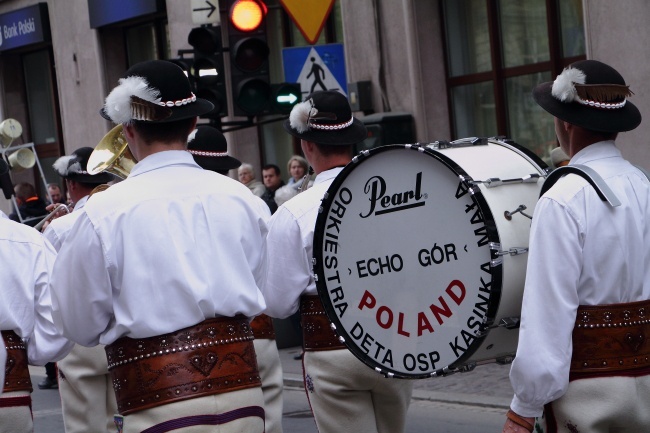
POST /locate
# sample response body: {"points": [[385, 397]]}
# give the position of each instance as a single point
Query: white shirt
{"points": [[582, 252], [170, 246], [58, 229], [26, 260], [290, 246]]}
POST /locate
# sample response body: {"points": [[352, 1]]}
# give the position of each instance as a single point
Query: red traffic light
{"points": [[247, 15]]}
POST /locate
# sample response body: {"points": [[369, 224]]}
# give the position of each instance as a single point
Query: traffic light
{"points": [[207, 70], [387, 128], [283, 97], [249, 54]]}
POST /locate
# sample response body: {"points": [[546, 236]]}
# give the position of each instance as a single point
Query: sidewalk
{"points": [[487, 386]]}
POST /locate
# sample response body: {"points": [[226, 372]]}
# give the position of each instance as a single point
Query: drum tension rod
{"points": [[520, 210]]}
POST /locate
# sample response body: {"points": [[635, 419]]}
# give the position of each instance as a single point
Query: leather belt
{"points": [[212, 357], [317, 334], [611, 340], [263, 327], [16, 369]]}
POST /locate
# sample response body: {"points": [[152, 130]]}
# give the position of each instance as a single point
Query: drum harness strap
{"points": [[589, 174]]}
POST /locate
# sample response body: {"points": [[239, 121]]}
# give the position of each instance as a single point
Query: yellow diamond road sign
{"points": [[309, 16]]}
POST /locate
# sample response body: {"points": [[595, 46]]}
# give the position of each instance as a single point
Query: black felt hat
{"points": [[592, 95], [153, 91], [325, 117], [209, 148], [74, 167]]}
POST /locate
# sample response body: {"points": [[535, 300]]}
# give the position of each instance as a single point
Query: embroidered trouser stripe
{"points": [[191, 421], [16, 401]]}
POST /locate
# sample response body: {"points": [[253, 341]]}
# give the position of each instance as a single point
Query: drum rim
{"points": [[496, 272]]}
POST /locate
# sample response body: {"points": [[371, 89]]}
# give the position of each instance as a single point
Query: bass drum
{"points": [[420, 253]]}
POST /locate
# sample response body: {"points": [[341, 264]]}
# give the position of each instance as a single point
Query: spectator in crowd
{"points": [[246, 175], [55, 193], [559, 158], [30, 206], [297, 168], [272, 181]]}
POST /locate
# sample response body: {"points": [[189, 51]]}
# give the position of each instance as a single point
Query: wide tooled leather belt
{"points": [[215, 356], [317, 333], [611, 340], [16, 369], [263, 327]]}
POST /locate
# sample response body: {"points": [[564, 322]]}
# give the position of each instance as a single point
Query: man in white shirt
{"points": [[345, 395], [87, 397], [165, 268], [28, 332], [583, 353]]}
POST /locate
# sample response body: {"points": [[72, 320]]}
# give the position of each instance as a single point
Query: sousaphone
{"points": [[112, 154]]}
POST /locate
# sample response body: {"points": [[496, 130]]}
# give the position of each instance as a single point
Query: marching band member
{"points": [[87, 397], [583, 352], [28, 332], [209, 148], [344, 394], [165, 268]]}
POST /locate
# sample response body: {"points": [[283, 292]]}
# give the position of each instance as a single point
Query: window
{"points": [[497, 51]]}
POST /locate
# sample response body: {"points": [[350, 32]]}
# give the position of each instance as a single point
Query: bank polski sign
{"points": [[23, 27]]}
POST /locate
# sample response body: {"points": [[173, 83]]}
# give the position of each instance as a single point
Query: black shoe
{"points": [[48, 383], [298, 357]]}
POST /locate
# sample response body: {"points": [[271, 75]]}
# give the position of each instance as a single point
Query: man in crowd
{"points": [[28, 332], [272, 181], [85, 382], [30, 206], [583, 352], [209, 148], [165, 268], [55, 193], [344, 394]]}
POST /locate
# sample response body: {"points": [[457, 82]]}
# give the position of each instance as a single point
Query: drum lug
{"points": [[495, 181], [508, 215], [510, 322]]}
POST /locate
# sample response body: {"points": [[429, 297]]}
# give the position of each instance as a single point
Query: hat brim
{"points": [[218, 163], [349, 136], [196, 108], [594, 119], [96, 179]]}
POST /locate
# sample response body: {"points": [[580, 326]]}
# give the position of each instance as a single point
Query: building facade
{"points": [[458, 67]]}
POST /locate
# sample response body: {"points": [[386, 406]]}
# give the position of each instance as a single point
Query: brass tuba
{"points": [[112, 154]]}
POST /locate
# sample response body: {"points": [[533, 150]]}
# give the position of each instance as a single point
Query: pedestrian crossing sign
{"points": [[317, 67]]}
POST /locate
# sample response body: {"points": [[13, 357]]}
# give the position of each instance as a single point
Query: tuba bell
{"points": [[112, 154]]}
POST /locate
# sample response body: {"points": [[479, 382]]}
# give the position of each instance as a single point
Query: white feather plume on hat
{"points": [[118, 102], [63, 167], [564, 87], [300, 115]]}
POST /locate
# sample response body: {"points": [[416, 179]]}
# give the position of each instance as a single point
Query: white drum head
{"points": [[402, 260]]}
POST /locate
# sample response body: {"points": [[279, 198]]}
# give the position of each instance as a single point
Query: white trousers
{"points": [[16, 419], [216, 404], [87, 396], [615, 404], [348, 396], [268, 362]]}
